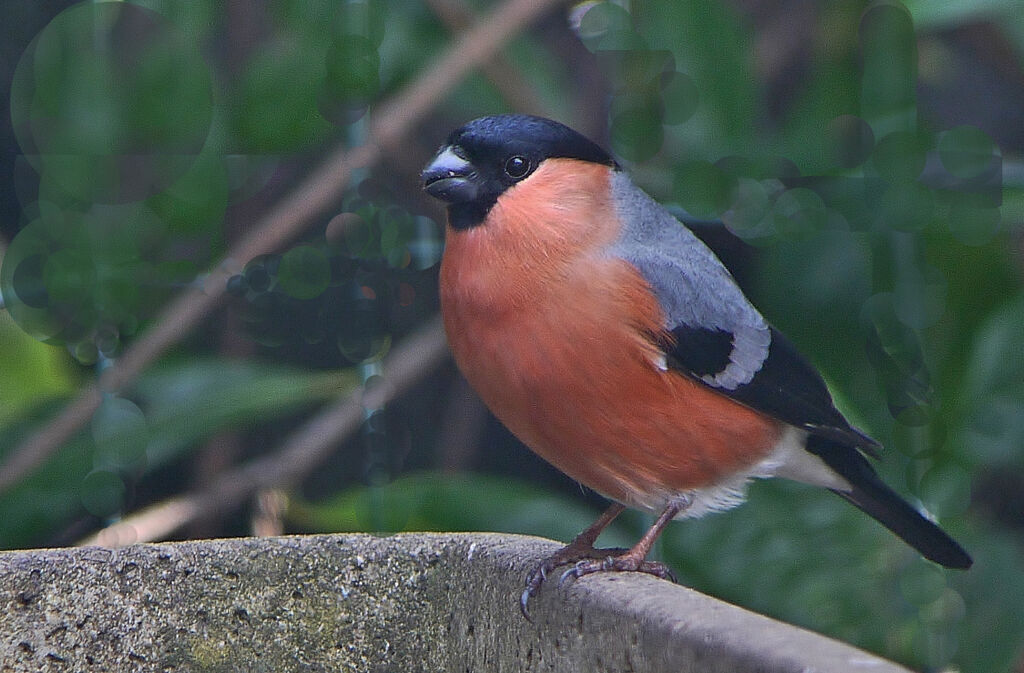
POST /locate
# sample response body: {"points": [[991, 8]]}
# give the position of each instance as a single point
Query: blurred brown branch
{"points": [[394, 119], [505, 77], [299, 455]]}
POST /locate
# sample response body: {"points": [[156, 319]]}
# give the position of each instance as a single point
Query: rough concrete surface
{"points": [[413, 602]]}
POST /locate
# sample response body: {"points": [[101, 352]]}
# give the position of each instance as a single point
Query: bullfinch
{"points": [[609, 339]]}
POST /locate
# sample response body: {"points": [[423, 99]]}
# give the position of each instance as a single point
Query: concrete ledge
{"points": [[414, 602]]}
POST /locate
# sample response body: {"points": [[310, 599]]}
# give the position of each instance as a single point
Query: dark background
{"points": [[865, 161]]}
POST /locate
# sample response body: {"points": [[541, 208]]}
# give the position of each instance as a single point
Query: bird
{"points": [[607, 337]]}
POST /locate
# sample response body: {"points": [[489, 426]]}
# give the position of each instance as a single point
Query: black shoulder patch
{"points": [[699, 351], [786, 387], [790, 389]]}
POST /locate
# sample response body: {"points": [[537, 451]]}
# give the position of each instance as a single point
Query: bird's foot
{"points": [[627, 562], [571, 553]]}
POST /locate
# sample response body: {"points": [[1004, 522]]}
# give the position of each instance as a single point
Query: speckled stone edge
{"points": [[411, 602]]}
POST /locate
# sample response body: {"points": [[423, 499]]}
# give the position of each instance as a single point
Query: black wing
{"points": [[714, 334], [786, 386]]}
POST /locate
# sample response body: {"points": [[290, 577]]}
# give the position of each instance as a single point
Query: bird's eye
{"points": [[517, 167]]}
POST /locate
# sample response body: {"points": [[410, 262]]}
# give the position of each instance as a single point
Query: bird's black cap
{"points": [[485, 157]]}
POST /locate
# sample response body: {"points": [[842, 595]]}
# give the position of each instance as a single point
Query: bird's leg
{"points": [[581, 547], [634, 559]]}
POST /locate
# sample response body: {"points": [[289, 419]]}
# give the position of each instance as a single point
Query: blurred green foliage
{"points": [[178, 405], [883, 203], [38, 371]]}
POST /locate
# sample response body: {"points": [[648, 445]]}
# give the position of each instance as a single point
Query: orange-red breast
{"points": [[614, 343]]}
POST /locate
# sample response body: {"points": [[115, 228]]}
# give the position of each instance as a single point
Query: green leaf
{"points": [[934, 16], [31, 371], [193, 399], [436, 501], [803, 556], [993, 432], [181, 404]]}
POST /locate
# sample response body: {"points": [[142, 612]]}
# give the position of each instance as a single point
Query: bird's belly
{"points": [[593, 402]]}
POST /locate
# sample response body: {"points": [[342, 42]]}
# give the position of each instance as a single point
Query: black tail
{"points": [[870, 494]]}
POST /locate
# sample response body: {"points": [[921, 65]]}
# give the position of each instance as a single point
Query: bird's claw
{"points": [[623, 563], [534, 579], [569, 554], [524, 603], [586, 562]]}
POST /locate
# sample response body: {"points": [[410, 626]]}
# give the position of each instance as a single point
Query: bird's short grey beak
{"points": [[450, 177]]}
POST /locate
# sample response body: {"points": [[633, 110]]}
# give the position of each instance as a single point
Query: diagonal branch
{"points": [[503, 75], [393, 120], [298, 456]]}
